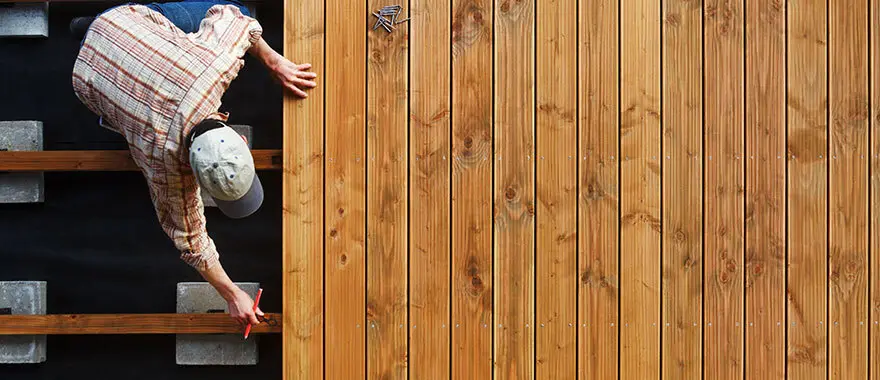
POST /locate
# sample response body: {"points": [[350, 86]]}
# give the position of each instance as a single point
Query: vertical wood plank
{"points": [[599, 193], [724, 189], [429, 190], [640, 190], [387, 199], [848, 186], [807, 189], [303, 204], [682, 273], [472, 35], [765, 189], [874, 188], [514, 222], [556, 258], [345, 197]]}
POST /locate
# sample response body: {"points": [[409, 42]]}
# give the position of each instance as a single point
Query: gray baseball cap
{"points": [[224, 167]]}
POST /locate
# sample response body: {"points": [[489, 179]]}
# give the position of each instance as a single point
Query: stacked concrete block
{"points": [[21, 187], [24, 20], [212, 349], [23, 298], [244, 130]]}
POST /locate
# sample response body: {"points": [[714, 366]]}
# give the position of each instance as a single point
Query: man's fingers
{"points": [[306, 83], [304, 66], [260, 312], [252, 318], [298, 92], [307, 75]]}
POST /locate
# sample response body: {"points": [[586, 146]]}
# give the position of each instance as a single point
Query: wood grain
{"points": [[101, 160], [514, 189], [387, 200], [598, 193], [117, 324], [848, 189], [303, 199], [682, 273], [765, 190], [429, 191], [724, 190], [874, 187], [640, 190], [556, 256], [472, 275], [345, 186], [807, 189]]}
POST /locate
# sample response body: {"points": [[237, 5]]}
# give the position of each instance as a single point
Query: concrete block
{"points": [[245, 130], [25, 298], [24, 20], [21, 187], [212, 349]]}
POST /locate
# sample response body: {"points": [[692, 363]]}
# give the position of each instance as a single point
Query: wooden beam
{"points": [[115, 324], [99, 160]]}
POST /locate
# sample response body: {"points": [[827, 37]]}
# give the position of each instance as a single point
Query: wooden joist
{"points": [[116, 324], [99, 160]]}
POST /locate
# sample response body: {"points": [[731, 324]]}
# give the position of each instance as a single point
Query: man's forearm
{"points": [[263, 52], [218, 278]]}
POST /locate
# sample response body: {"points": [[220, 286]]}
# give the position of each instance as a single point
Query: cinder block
{"points": [[212, 349], [245, 130], [21, 136], [25, 298], [24, 20]]}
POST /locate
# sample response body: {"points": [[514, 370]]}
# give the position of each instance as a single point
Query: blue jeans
{"points": [[188, 14]]}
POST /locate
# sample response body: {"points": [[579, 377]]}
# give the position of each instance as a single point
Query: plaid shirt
{"points": [[151, 82]]}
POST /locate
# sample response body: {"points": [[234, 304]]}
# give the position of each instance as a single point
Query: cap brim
{"points": [[246, 205]]}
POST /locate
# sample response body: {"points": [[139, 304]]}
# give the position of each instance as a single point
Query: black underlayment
{"points": [[96, 239]]}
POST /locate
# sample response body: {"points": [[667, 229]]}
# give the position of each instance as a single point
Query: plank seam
{"points": [[787, 226], [619, 202], [828, 187], [745, 178]]}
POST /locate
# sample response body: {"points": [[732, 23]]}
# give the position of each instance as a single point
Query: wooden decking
{"points": [[564, 189]]}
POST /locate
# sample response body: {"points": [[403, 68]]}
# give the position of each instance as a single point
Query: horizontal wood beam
{"points": [[100, 160], [116, 324]]}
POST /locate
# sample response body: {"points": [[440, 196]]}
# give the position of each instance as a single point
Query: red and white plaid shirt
{"points": [[151, 82]]}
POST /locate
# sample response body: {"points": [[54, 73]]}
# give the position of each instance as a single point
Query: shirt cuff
{"points": [[204, 259]]}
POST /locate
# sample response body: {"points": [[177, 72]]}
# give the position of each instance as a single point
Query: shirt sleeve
{"points": [[180, 210], [226, 27]]}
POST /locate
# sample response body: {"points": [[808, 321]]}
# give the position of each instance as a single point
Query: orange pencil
{"points": [[247, 331]]}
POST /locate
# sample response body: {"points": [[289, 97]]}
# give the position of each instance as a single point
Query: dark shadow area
{"points": [[96, 239]]}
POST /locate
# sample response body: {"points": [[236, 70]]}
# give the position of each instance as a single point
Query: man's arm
{"points": [[295, 78]]}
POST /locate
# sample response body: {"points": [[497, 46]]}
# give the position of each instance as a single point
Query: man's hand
{"points": [[295, 78], [241, 308]]}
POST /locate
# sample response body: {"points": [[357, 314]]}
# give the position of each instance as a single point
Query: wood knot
{"points": [[477, 282], [505, 7], [477, 16], [341, 211], [758, 269], [680, 236], [343, 259], [724, 278], [510, 193], [333, 233], [468, 142], [377, 56]]}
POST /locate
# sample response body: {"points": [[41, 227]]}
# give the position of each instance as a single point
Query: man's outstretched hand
{"points": [[295, 78], [241, 308]]}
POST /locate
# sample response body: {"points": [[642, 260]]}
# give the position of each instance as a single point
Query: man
{"points": [[155, 74]]}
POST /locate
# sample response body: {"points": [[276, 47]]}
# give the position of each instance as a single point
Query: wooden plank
{"points": [[848, 189], [101, 160], [640, 190], [807, 189], [556, 265], [472, 275], [598, 193], [682, 201], [514, 190], [874, 186], [387, 200], [303, 199], [723, 190], [430, 191], [765, 190], [116, 324], [345, 197]]}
